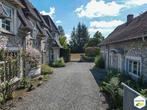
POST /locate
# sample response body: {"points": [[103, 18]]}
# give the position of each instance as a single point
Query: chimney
{"points": [[130, 18]]}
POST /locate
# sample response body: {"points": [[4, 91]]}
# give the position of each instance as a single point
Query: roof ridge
{"points": [[128, 31]]}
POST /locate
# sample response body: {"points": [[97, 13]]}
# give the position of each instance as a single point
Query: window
{"points": [[6, 23], [133, 67]]}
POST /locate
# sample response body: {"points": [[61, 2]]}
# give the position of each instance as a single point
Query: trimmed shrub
{"points": [[99, 62], [45, 69], [87, 58], [92, 51], [59, 63]]}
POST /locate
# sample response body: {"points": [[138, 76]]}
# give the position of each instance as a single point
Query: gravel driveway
{"points": [[70, 88]]}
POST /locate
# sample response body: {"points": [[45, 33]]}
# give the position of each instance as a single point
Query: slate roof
{"points": [[29, 9], [53, 28], [16, 3], [24, 20], [136, 29], [50, 23], [42, 22]]}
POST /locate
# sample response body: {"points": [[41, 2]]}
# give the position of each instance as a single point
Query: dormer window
{"points": [[6, 23]]}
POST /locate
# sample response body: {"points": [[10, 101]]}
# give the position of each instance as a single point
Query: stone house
{"points": [[23, 28], [37, 34], [125, 49]]}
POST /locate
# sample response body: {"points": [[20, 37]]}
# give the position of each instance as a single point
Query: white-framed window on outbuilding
{"points": [[133, 66]]}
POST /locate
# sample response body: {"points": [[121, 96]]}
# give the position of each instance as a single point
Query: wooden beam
{"points": [[16, 3]]}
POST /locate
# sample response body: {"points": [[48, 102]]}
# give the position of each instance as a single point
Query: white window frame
{"points": [[5, 25], [133, 59], [3, 21]]}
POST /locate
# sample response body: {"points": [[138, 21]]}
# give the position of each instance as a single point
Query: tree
{"points": [[73, 38], [97, 38], [79, 37], [61, 30], [63, 42]]}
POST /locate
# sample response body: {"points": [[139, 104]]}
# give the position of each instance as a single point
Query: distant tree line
{"points": [[80, 39]]}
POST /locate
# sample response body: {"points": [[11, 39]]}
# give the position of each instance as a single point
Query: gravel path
{"points": [[70, 88]]}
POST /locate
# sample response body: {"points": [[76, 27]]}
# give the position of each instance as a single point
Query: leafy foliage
{"points": [[92, 51], [32, 56], [1, 55], [59, 63], [45, 69], [112, 85], [63, 42], [9, 69], [97, 39], [85, 58], [79, 38], [98, 35], [99, 62], [24, 83]]}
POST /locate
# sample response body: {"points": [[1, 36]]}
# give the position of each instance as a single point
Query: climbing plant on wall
{"points": [[9, 70]]}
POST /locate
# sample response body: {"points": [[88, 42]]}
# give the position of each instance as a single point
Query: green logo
{"points": [[140, 102]]}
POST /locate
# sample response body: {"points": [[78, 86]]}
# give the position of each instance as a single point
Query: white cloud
{"points": [[99, 8], [68, 37], [51, 12], [104, 31], [136, 2], [105, 27], [58, 21], [105, 24]]}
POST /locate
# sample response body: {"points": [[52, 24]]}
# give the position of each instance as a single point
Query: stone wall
{"points": [[135, 48], [56, 52]]}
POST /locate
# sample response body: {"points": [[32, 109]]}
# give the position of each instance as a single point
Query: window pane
{"points": [[3, 25], [8, 28], [135, 67], [130, 66], [6, 24], [138, 68]]}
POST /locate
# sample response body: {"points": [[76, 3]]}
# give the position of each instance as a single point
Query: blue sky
{"points": [[101, 15]]}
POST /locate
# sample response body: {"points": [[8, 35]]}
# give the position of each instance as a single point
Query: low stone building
{"points": [[125, 49]]}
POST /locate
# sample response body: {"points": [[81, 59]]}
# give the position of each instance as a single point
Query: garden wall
{"points": [[128, 98]]}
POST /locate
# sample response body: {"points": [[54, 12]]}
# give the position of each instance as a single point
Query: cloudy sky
{"points": [[102, 15]]}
